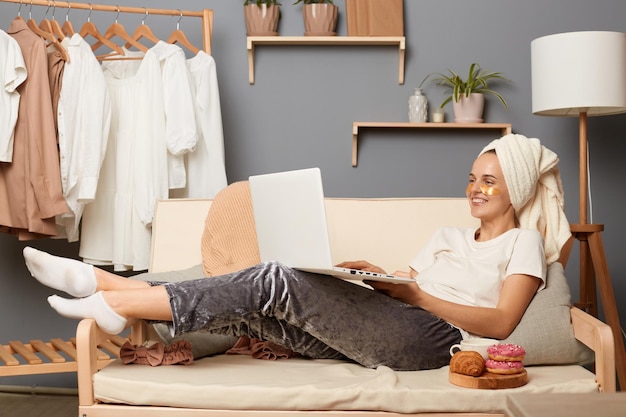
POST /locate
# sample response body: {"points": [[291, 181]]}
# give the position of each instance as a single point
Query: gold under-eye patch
{"points": [[485, 189]]}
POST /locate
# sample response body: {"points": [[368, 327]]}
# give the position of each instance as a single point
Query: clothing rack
{"points": [[206, 14], [58, 355]]}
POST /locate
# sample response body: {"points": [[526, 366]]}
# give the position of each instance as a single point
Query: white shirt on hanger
{"points": [[84, 118], [12, 74], [206, 170], [180, 119]]}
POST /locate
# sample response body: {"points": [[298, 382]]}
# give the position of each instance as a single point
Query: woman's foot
{"points": [[92, 307], [71, 276]]}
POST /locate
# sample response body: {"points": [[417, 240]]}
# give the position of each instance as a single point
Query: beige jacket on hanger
{"points": [[30, 186]]}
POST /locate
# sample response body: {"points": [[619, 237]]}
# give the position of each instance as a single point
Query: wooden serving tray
{"points": [[489, 381]]}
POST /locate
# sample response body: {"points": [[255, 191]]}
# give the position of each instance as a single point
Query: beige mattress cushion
{"points": [[243, 383]]}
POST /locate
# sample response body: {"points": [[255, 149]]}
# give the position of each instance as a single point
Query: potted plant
{"points": [[468, 96], [320, 17], [262, 17]]}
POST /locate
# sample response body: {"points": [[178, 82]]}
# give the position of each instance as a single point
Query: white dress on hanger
{"points": [[206, 170], [117, 225], [84, 118], [12, 75], [180, 120]]}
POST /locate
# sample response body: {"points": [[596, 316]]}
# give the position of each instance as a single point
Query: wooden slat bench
{"points": [[54, 356]]}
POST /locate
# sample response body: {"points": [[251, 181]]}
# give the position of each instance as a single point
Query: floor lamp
{"points": [[583, 74]]}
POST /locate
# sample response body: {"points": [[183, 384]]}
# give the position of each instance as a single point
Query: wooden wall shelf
{"points": [[399, 41], [504, 128]]}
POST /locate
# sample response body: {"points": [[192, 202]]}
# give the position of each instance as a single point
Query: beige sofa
{"points": [[386, 232]]}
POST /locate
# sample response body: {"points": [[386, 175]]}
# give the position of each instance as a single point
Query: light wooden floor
{"points": [[38, 405]]}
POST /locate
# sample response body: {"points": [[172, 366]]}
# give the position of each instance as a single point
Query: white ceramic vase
{"points": [[418, 107]]}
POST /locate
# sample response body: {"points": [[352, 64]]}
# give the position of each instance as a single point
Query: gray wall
{"points": [[299, 113]]}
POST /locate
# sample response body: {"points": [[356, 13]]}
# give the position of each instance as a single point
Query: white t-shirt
{"points": [[453, 266], [12, 75]]}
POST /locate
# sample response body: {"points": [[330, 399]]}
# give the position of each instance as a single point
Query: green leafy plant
{"points": [[315, 1], [476, 82], [260, 2]]}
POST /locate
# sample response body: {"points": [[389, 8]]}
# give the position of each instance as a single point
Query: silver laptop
{"points": [[290, 219]]}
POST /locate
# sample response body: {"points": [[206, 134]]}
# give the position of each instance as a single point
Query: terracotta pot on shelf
{"points": [[469, 109], [320, 19], [261, 20]]}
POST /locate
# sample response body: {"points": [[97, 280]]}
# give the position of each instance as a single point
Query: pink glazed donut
{"points": [[503, 367], [506, 352]]}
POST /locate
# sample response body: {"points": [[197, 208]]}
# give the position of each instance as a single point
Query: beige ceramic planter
{"points": [[469, 109], [261, 20], [320, 19]]}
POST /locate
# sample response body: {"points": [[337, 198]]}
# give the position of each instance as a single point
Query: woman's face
{"points": [[487, 192]]}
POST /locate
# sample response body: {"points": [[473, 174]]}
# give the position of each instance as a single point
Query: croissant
{"points": [[467, 363]]}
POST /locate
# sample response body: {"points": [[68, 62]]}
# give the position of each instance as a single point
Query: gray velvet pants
{"points": [[315, 315]]}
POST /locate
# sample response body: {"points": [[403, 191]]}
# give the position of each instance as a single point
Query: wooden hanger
{"points": [[90, 29], [143, 31], [56, 28], [68, 28], [117, 29], [51, 26], [48, 36], [178, 36], [45, 23]]}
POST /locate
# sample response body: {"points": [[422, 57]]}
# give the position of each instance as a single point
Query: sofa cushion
{"points": [[545, 330], [235, 382]]}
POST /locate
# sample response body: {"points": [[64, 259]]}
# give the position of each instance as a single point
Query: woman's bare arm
{"points": [[498, 322]]}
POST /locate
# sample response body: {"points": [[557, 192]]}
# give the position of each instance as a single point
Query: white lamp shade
{"points": [[579, 72]]}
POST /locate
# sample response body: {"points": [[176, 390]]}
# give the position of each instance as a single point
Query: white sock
{"points": [[92, 307], [69, 275]]}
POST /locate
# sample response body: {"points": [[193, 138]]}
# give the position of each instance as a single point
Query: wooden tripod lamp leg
{"points": [[607, 296], [588, 296]]}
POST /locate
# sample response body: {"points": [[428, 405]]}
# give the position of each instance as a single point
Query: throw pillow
{"points": [[546, 331], [229, 240]]}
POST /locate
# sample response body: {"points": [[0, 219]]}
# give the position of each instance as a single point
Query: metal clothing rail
{"points": [[205, 14]]}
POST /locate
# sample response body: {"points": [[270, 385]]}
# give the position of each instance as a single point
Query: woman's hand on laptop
{"points": [[362, 266], [403, 292], [407, 293]]}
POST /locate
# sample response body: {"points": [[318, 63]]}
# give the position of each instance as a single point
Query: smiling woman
{"points": [[463, 286]]}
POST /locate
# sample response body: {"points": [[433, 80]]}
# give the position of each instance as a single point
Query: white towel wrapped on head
{"points": [[532, 176]]}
